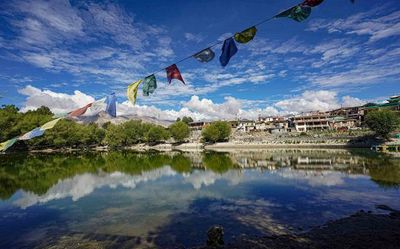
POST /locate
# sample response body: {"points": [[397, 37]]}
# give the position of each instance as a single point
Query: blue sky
{"points": [[64, 54]]}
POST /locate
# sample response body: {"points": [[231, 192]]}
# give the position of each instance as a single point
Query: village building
{"points": [[355, 113], [342, 123], [311, 121], [393, 103], [246, 125], [198, 126]]}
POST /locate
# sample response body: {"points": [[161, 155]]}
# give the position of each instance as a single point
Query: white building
{"points": [[311, 121]]}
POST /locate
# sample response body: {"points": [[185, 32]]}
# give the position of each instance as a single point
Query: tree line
{"points": [[70, 134]]}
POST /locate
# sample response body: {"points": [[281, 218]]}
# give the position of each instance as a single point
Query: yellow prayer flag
{"points": [[132, 91], [7, 144], [50, 125]]}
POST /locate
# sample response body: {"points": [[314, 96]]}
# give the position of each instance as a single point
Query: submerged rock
{"points": [[215, 237]]}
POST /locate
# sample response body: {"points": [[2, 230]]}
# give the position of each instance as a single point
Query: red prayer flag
{"points": [[174, 73], [312, 3], [80, 111]]}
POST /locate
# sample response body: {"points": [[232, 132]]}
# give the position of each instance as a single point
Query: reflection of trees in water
{"points": [[181, 164], [385, 172], [37, 173], [217, 162]]}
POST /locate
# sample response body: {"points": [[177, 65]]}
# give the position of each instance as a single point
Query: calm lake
{"points": [[139, 200]]}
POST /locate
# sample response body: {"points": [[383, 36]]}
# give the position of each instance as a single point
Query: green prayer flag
{"points": [[132, 90], [149, 85], [246, 35], [7, 144], [297, 13]]}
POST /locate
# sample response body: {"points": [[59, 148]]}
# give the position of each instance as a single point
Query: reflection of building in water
{"points": [[338, 160], [334, 162]]}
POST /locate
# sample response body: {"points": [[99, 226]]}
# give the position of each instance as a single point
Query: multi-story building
{"points": [[311, 121], [343, 123], [355, 113]]}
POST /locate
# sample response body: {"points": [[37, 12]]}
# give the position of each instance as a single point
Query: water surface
{"points": [[139, 200]]}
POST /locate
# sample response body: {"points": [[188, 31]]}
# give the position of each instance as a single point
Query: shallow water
{"points": [[136, 200]]}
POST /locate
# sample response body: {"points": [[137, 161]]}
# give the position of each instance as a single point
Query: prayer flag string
{"points": [[299, 13]]}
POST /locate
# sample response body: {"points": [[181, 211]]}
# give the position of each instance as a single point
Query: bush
{"points": [[179, 131], [134, 132], [217, 132], [382, 122], [68, 133], [157, 134]]}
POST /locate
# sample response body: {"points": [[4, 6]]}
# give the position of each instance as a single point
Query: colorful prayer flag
{"points": [[246, 35], [97, 106], [80, 111], [311, 3], [37, 132], [149, 85], [7, 144], [297, 13], [111, 108], [229, 49], [132, 90], [174, 73], [205, 55], [50, 125]]}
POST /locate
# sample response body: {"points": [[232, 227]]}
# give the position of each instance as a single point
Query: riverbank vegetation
{"points": [[218, 131], [70, 134], [382, 122]]}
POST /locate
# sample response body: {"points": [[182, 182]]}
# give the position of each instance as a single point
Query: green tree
{"points": [[115, 136], [382, 122], [157, 134], [179, 131], [218, 131], [187, 120], [9, 117]]}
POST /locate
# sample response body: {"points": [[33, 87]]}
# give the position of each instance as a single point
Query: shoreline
{"points": [[196, 147], [363, 229]]}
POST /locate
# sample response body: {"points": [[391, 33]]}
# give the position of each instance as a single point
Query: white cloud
{"points": [[227, 110], [310, 101], [197, 38], [126, 108], [197, 108], [376, 24], [57, 102], [349, 101], [55, 35]]}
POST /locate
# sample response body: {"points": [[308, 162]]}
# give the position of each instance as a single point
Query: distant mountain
{"points": [[104, 117]]}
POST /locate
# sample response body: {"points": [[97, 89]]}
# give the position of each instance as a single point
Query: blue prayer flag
{"points": [[111, 108], [37, 132], [229, 49]]}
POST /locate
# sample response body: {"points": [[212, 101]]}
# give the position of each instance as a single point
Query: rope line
{"points": [[214, 44]]}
